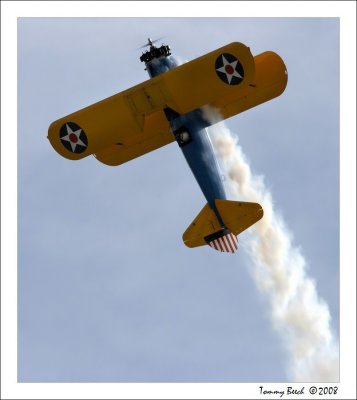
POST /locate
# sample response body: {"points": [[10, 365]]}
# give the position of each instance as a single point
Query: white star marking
{"points": [[73, 138], [231, 67]]}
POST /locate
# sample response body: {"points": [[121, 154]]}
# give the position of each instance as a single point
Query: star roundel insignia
{"points": [[229, 69], [73, 137]]}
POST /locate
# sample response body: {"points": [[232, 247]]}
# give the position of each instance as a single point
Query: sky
{"points": [[107, 291]]}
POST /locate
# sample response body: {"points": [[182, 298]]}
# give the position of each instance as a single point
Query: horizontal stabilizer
{"points": [[237, 216], [205, 224]]}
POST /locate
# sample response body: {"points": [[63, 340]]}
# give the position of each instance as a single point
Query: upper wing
{"points": [[132, 123], [269, 81]]}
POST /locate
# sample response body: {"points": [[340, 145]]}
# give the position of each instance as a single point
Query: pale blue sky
{"points": [[106, 289]]}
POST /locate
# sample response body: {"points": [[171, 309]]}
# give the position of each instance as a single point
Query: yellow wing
{"points": [[132, 123], [269, 81]]}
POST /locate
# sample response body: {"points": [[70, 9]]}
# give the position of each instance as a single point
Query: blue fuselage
{"points": [[192, 136]]}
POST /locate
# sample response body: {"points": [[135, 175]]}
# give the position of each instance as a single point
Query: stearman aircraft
{"points": [[169, 107]]}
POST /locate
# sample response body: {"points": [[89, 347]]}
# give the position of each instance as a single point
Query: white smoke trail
{"points": [[296, 311]]}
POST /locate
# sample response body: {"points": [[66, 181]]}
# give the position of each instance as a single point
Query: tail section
{"points": [[237, 216]]}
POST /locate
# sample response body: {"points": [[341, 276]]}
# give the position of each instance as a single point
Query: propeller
{"points": [[151, 42]]}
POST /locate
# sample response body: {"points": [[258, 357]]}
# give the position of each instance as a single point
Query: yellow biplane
{"points": [[169, 107]]}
